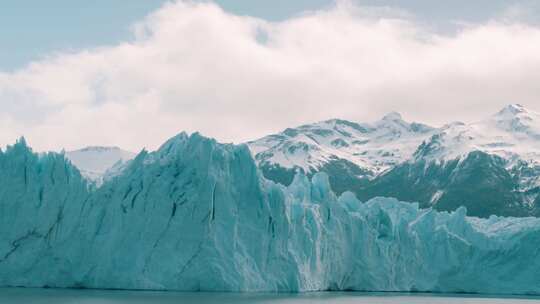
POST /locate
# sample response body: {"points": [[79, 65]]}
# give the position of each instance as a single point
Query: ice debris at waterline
{"points": [[196, 215]]}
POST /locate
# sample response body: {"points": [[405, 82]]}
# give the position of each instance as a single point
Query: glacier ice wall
{"points": [[196, 215]]}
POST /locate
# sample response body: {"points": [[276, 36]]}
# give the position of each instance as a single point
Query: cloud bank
{"points": [[194, 67]]}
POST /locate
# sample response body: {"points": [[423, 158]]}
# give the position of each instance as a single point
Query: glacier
{"points": [[197, 215]]}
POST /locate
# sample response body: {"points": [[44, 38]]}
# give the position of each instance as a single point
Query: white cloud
{"points": [[195, 67]]}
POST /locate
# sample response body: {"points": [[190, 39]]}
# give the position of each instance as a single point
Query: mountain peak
{"points": [[98, 148], [512, 110], [392, 116], [516, 117]]}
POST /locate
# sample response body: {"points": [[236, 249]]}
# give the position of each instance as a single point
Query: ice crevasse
{"points": [[197, 215]]}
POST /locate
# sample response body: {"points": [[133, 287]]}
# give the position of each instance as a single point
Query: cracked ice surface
{"points": [[196, 215]]}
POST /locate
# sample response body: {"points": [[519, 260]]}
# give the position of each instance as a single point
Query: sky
{"points": [[134, 73]]}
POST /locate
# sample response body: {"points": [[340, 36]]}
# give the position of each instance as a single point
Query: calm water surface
{"points": [[59, 296]]}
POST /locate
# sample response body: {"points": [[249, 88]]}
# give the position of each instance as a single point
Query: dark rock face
{"points": [[480, 182]]}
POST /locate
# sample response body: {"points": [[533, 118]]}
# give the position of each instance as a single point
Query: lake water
{"points": [[60, 296]]}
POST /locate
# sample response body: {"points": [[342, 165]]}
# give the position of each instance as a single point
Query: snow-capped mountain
{"points": [[513, 134], [491, 166], [359, 151], [374, 147], [504, 149], [94, 162]]}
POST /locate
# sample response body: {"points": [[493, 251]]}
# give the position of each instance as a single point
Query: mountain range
{"points": [[491, 167]]}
